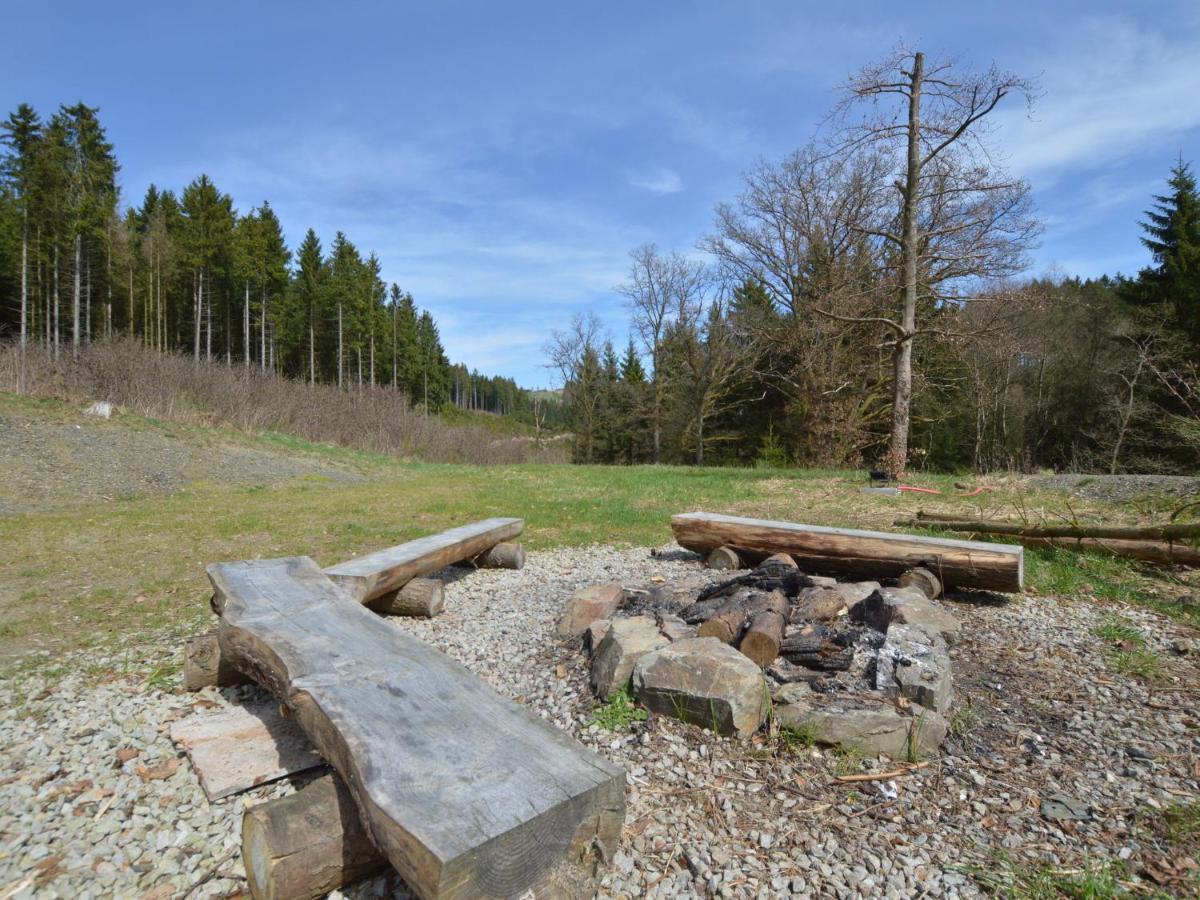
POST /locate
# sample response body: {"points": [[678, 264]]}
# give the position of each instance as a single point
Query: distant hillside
{"points": [[175, 388]]}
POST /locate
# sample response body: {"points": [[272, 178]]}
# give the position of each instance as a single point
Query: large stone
{"points": [[906, 606], [599, 601], [626, 641], [915, 662], [704, 682], [870, 730]]}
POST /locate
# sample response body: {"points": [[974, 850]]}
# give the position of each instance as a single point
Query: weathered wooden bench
{"points": [[465, 793], [389, 580], [870, 554]]}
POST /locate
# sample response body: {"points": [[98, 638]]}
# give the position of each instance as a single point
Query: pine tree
{"points": [[22, 135], [208, 237], [1173, 237], [309, 289]]}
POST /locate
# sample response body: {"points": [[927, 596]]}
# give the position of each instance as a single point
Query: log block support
{"points": [[723, 559], [421, 598], [307, 844], [505, 555], [203, 666]]}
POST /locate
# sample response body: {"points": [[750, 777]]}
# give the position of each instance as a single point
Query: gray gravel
{"points": [[1119, 488], [706, 816], [80, 459]]}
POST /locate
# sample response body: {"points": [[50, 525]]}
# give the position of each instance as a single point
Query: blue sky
{"points": [[502, 158]]}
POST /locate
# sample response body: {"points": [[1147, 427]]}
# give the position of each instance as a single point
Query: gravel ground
{"points": [[1119, 488], [706, 816], [50, 463]]}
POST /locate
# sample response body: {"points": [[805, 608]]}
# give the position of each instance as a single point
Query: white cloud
{"points": [[657, 181], [1116, 90]]}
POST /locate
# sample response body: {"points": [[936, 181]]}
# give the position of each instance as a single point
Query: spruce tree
{"points": [[1173, 237]]}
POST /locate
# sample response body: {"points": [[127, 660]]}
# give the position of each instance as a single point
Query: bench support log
{"points": [[203, 666], [504, 555], [305, 845], [421, 598]]}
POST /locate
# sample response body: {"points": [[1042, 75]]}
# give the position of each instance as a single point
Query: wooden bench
{"points": [[464, 792]]}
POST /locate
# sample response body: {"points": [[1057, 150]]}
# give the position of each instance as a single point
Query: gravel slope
{"points": [[84, 459], [706, 816]]}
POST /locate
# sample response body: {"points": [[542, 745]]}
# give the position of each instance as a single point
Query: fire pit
{"points": [[853, 663]]}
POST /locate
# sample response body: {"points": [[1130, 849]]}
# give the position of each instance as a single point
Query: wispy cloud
{"points": [[1116, 89], [657, 181]]}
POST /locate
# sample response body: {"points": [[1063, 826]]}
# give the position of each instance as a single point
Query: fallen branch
{"points": [[1171, 532], [881, 776], [1165, 553]]}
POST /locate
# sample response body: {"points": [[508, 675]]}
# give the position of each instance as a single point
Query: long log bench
{"points": [[866, 554]]}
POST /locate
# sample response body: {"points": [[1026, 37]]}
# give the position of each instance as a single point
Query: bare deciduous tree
{"points": [[959, 217], [661, 289]]}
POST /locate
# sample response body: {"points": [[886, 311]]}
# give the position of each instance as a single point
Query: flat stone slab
{"points": [[869, 729], [705, 682], [236, 749]]}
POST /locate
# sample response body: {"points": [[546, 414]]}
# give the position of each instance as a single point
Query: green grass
{"points": [[110, 574], [1127, 653], [1094, 880], [618, 713], [796, 739]]}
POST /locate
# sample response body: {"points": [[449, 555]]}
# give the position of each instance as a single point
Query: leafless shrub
{"points": [[171, 387]]}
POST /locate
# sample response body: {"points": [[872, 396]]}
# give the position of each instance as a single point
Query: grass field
{"points": [[109, 572]]}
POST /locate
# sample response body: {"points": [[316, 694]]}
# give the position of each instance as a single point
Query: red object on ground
{"points": [[919, 490], [978, 490]]}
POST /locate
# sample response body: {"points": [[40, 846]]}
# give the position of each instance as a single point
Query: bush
{"points": [[175, 388]]}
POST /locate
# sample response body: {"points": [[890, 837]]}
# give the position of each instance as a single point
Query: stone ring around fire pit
{"points": [[861, 665]]}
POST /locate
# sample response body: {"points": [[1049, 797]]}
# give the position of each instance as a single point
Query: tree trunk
{"points": [[263, 335], [196, 307], [312, 355], [75, 295], [24, 285], [339, 353], [909, 252], [246, 324], [87, 306], [207, 319], [57, 302]]}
